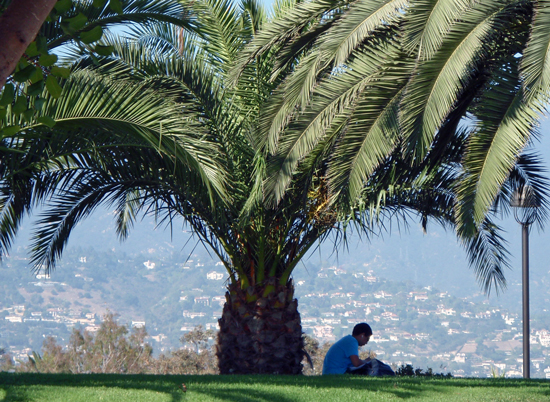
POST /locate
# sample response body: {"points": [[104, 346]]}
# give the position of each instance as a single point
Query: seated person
{"points": [[343, 356]]}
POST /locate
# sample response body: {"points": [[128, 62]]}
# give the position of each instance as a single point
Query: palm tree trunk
{"points": [[260, 334]]}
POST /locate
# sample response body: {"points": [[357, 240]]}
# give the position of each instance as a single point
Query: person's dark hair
{"points": [[362, 328]]}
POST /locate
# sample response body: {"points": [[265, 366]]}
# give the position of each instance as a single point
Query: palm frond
{"points": [[357, 24], [488, 254], [134, 11], [290, 25], [333, 96], [492, 151], [438, 83], [530, 172], [535, 65], [217, 30], [366, 143], [427, 23]]}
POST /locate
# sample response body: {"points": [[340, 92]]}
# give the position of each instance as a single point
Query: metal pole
{"points": [[526, 331]]}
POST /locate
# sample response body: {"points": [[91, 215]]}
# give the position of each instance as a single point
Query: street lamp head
{"points": [[525, 203]]}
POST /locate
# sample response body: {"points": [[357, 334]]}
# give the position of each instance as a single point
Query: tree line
{"points": [[115, 349]]}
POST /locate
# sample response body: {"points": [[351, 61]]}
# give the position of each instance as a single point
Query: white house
{"points": [[214, 276], [322, 331], [202, 300], [219, 299], [544, 338], [149, 265]]}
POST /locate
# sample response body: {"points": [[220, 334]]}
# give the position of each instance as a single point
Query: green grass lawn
{"points": [[151, 388]]}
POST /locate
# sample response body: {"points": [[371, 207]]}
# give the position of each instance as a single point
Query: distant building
{"points": [[214, 276], [149, 265], [323, 331], [138, 324], [309, 320], [389, 315], [213, 325], [193, 314], [379, 339], [202, 300], [421, 336], [544, 338], [331, 321], [507, 319], [445, 311], [159, 338]]}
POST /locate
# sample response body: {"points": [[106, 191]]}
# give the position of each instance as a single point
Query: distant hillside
{"points": [[433, 259], [170, 291]]}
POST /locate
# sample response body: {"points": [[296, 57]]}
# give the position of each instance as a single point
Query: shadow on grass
{"points": [[16, 385], [262, 387]]}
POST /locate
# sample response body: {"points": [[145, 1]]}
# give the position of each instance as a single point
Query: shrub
{"points": [[409, 371]]}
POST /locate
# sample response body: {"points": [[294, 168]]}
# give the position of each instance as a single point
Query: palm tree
{"points": [[89, 118], [112, 159], [378, 76], [165, 133]]}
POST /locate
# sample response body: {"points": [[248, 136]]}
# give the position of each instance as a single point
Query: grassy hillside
{"points": [[64, 387]]}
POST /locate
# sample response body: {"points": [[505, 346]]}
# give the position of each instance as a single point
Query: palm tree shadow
{"points": [[236, 388], [16, 386], [244, 394]]}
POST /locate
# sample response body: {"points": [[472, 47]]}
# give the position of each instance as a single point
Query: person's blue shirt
{"points": [[337, 359]]}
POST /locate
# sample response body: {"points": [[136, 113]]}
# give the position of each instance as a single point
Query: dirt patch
{"points": [[505, 346]]}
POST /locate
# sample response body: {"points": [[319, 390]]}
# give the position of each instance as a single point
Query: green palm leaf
{"points": [[335, 95], [438, 83], [429, 21], [535, 65]]}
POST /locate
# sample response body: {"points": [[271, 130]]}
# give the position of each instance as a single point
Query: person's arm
{"points": [[356, 361]]}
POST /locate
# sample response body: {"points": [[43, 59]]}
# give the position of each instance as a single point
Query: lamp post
{"points": [[525, 202]]}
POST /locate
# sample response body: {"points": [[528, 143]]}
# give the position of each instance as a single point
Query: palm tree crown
{"points": [[373, 81]]}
